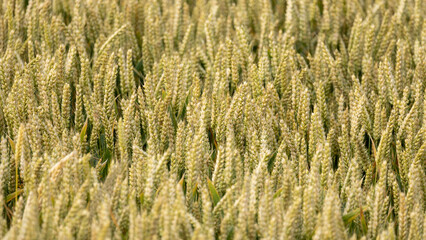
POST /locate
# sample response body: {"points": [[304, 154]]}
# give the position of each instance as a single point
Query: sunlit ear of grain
{"points": [[243, 119]]}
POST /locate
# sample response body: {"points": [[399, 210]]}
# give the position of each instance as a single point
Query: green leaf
{"points": [[278, 193], [194, 192], [141, 198], [230, 234], [270, 159], [12, 144], [352, 215], [14, 195], [139, 65], [83, 131], [181, 181], [363, 222], [213, 192], [173, 117], [182, 111]]}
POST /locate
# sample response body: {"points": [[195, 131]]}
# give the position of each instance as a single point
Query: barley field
{"points": [[221, 119]]}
